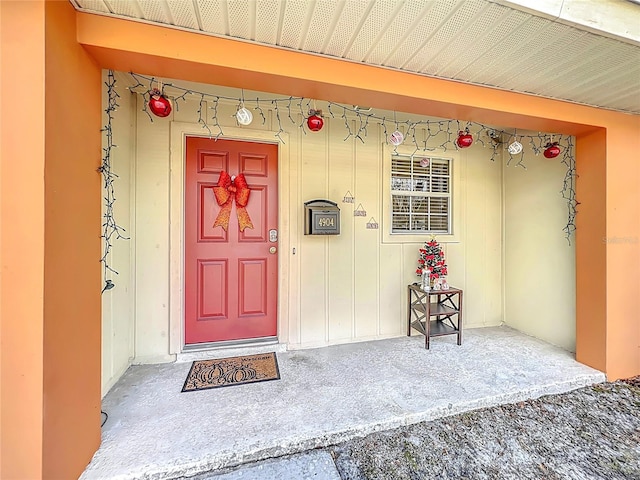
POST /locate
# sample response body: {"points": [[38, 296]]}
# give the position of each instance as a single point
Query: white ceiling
{"points": [[473, 41]]}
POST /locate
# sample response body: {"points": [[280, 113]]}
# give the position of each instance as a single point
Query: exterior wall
{"points": [[608, 333], [353, 287], [539, 263], [71, 384], [22, 238], [151, 239], [608, 303], [346, 288], [349, 288], [118, 303]]}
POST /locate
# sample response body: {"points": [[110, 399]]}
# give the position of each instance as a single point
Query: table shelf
{"points": [[435, 309], [435, 313], [437, 328]]}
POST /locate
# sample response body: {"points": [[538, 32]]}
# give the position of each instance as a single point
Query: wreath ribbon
{"points": [[226, 192]]}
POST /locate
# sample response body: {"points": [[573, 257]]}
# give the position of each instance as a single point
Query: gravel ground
{"points": [[591, 433]]}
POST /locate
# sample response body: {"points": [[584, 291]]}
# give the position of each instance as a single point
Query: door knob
{"points": [[273, 250]]}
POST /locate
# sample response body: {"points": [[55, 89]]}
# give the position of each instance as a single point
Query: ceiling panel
{"points": [[378, 18], [323, 21], [267, 21], [401, 26], [583, 50], [437, 13], [484, 42], [455, 48], [241, 19], [487, 46], [213, 15], [448, 33], [96, 6], [124, 8], [519, 45], [183, 13], [155, 11], [346, 27], [294, 26], [539, 55]]}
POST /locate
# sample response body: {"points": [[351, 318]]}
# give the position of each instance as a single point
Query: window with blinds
{"points": [[420, 195]]}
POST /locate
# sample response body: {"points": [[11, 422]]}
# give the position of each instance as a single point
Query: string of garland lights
{"points": [[569, 188], [111, 231], [422, 135]]}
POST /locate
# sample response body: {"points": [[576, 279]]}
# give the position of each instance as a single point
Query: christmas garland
{"points": [[438, 134]]}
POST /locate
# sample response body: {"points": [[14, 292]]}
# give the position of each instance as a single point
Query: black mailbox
{"points": [[321, 217]]}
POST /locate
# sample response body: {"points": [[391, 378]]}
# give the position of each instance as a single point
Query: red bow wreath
{"points": [[228, 190]]}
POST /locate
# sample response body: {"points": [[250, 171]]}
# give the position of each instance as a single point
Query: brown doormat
{"points": [[222, 372]]}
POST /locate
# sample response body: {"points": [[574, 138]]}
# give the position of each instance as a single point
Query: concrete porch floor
{"points": [[324, 396]]}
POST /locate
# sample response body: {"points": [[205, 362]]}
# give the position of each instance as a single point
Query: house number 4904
{"points": [[326, 222]]}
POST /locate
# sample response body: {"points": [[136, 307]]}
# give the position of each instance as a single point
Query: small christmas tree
{"points": [[432, 258]]}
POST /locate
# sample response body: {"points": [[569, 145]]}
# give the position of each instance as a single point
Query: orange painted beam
{"points": [[172, 53]]}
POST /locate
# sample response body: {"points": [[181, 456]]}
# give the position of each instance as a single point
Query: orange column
{"points": [[623, 247], [49, 244], [22, 147], [72, 280], [608, 249], [591, 249]]}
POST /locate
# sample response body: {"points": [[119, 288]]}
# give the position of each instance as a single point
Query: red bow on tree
{"points": [[228, 190]]}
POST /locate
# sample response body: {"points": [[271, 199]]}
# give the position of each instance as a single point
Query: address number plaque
{"points": [[321, 217]]}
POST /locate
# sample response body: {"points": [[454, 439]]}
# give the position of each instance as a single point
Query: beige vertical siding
{"points": [[118, 303], [345, 288], [540, 282], [350, 287]]}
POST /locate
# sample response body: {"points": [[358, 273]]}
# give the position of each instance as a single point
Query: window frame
{"points": [[388, 236]]}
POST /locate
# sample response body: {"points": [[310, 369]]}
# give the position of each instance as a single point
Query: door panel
{"points": [[230, 275], [212, 288], [258, 211], [253, 298], [207, 209]]}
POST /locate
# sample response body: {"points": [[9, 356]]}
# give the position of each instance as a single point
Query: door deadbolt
{"points": [[273, 250], [273, 235]]}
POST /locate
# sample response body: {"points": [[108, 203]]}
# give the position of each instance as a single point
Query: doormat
{"points": [[223, 372]]}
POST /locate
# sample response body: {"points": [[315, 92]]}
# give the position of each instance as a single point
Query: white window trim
{"points": [[456, 188]]}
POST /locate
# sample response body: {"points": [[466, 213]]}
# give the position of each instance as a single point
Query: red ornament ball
{"points": [[464, 139], [159, 105], [315, 123], [552, 150]]}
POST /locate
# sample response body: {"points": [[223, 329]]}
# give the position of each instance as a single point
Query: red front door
{"points": [[230, 275]]}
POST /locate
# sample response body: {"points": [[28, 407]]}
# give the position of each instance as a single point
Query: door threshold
{"points": [[205, 351]]}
